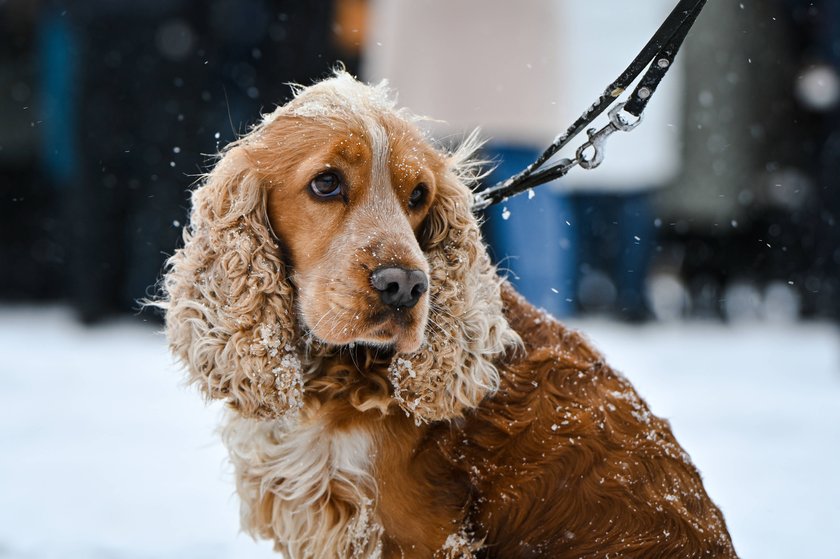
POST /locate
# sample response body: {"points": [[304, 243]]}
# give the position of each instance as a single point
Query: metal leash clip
{"points": [[598, 139]]}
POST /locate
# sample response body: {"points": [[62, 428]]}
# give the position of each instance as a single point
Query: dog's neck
{"points": [[356, 375]]}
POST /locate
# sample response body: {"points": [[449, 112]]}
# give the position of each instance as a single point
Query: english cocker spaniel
{"points": [[389, 394]]}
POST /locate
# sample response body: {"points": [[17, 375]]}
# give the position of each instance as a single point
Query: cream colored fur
{"points": [[305, 486]]}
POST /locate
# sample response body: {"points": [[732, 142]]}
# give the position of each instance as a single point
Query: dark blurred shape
{"points": [[615, 247], [114, 111], [30, 253], [757, 207]]}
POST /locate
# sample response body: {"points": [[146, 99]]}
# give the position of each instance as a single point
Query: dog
{"points": [[389, 394]]}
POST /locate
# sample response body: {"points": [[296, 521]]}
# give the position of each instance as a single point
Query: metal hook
{"points": [[598, 139], [617, 120]]}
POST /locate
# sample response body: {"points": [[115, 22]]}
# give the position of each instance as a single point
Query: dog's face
{"points": [[373, 242], [348, 206]]}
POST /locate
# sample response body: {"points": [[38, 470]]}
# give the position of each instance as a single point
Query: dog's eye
{"points": [[418, 196], [326, 185]]}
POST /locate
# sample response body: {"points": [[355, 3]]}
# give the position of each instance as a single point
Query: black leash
{"points": [[658, 55]]}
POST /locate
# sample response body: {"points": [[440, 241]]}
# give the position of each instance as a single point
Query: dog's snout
{"points": [[399, 287]]}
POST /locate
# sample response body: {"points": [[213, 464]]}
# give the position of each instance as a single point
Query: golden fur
{"points": [[470, 425]]}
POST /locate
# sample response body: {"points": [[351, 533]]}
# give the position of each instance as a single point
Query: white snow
{"points": [[106, 454]]}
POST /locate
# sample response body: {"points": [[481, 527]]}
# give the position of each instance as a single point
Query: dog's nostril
{"points": [[419, 283], [399, 287]]}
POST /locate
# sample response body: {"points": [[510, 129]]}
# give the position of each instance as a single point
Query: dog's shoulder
{"points": [[541, 332], [564, 424]]}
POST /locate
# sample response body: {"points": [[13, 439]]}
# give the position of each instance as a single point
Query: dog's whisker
{"points": [[323, 317]]}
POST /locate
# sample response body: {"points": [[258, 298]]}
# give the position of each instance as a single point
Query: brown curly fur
{"points": [[471, 425]]}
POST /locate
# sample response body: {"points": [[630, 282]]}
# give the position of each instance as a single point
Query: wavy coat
{"points": [[479, 427]]}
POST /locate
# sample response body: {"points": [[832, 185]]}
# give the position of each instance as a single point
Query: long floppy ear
{"points": [[229, 307], [453, 370]]}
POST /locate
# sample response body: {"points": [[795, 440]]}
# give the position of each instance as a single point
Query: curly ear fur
{"points": [[454, 369], [229, 307]]}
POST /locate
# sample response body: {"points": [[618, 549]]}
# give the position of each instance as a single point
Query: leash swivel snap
{"points": [[591, 154]]}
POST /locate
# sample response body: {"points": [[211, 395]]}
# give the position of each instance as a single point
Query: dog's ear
{"points": [[229, 305], [453, 370]]}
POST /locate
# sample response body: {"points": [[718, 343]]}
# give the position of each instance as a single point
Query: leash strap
{"points": [[658, 56]]}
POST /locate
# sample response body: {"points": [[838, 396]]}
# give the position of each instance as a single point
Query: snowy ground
{"points": [[105, 455]]}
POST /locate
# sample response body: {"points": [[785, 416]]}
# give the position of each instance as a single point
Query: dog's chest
{"points": [[350, 451], [323, 455]]}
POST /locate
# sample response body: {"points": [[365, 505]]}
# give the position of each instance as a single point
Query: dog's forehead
{"points": [[352, 148], [346, 123], [393, 147], [408, 160], [397, 151]]}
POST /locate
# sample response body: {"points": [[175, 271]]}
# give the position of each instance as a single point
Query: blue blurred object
{"points": [[531, 237], [616, 238], [58, 54]]}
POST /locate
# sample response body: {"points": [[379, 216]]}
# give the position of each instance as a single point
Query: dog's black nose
{"points": [[399, 287]]}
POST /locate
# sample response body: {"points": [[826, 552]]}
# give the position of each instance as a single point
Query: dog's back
{"points": [[566, 460]]}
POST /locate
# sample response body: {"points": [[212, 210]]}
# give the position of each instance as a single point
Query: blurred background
{"points": [[702, 256]]}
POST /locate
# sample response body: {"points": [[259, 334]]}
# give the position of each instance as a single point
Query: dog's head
{"points": [[335, 222]]}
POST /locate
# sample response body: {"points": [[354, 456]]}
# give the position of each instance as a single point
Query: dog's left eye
{"points": [[418, 195], [326, 185]]}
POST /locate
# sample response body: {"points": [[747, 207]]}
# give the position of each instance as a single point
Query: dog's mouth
{"points": [[397, 331], [401, 330], [390, 318]]}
